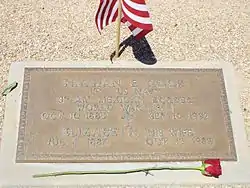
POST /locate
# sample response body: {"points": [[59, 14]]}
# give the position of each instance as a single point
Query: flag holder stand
{"points": [[118, 29]]}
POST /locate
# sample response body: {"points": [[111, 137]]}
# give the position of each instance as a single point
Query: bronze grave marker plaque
{"points": [[122, 115]]}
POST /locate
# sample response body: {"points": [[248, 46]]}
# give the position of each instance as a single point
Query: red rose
{"points": [[212, 168]]}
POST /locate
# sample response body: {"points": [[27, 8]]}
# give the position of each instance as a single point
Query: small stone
{"points": [[106, 45]]}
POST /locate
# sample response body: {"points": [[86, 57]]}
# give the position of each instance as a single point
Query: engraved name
{"points": [[98, 83]]}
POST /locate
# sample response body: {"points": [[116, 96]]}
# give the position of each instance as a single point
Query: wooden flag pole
{"points": [[118, 28]]}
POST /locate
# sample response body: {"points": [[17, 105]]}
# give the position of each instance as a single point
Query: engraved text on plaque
{"points": [[114, 115]]}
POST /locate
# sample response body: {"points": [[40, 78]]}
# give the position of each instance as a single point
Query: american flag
{"points": [[134, 14]]}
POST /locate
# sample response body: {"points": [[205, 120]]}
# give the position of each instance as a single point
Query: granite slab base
{"points": [[14, 174]]}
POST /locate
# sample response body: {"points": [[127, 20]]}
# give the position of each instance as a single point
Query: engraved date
{"points": [[55, 141], [156, 141], [203, 140], [196, 116]]}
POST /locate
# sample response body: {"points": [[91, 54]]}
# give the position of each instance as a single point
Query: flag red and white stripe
{"points": [[134, 13]]}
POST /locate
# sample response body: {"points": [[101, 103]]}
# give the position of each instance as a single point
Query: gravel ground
{"points": [[183, 30]]}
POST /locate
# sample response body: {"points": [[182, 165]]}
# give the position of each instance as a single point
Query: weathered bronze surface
{"points": [[121, 115]]}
